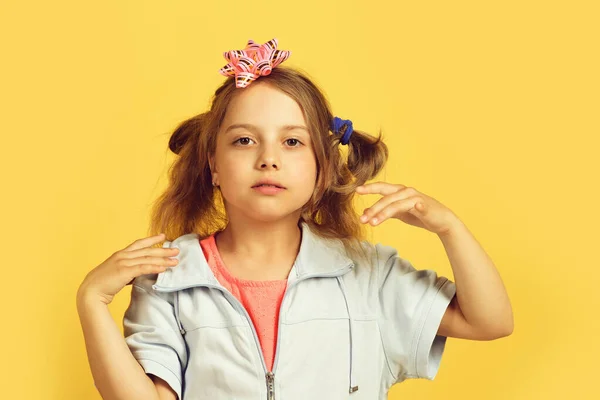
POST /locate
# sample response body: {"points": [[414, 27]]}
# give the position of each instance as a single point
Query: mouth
{"points": [[268, 188], [268, 185]]}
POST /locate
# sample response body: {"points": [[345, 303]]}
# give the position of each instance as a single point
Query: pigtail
{"points": [[367, 155], [190, 128], [190, 203]]}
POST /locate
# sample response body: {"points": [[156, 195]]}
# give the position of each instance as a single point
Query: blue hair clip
{"points": [[336, 127]]}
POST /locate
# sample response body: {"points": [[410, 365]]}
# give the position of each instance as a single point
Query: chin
{"points": [[268, 208]]}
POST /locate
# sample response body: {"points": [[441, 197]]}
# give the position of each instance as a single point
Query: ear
{"points": [[211, 162], [213, 171]]}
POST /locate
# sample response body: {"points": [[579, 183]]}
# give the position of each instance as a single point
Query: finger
{"points": [[383, 188], [144, 269], [158, 261], [145, 242], [381, 204], [150, 251], [398, 207], [403, 193]]}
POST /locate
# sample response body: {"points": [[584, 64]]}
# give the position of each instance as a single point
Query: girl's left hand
{"points": [[408, 205]]}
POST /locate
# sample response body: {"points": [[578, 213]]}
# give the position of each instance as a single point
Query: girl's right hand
{"points": [[123, 266]]}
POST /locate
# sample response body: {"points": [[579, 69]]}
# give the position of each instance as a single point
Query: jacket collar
{"points": [[317, 257]]}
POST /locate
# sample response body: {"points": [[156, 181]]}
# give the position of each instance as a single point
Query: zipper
{"points": [[270, 376], [270, 386]]}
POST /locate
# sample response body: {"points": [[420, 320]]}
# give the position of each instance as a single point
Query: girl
{"points": [[266, 288]]}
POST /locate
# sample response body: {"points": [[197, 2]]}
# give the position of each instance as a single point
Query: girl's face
{"points": [[264, 136]]}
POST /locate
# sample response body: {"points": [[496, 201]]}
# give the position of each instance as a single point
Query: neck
{"points": [[261, 243]]}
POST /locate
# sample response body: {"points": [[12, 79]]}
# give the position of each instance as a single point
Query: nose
{"points": [[269, 159], [269, 164]]}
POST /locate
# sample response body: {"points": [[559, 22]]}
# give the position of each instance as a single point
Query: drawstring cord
{"points": [[352, 388]]}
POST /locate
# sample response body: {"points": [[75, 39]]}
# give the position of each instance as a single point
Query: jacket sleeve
{"points": [[152, 333], [412, 303]]}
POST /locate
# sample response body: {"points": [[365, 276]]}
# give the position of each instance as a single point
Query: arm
{"points": [[481, 309], [165, 392], [117, 374]]}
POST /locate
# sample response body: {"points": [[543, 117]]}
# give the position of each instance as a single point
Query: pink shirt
{"points": [[260, 298]]}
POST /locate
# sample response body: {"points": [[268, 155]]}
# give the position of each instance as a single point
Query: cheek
{"points": [[232, 167], [305, 170]]}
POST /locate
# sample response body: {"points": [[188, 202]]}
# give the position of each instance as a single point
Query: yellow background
{"points": [[490, 107]]}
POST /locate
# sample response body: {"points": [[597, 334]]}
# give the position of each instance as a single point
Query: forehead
{"points": [[263, 104]]}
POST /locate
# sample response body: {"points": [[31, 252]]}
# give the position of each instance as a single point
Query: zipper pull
{"points": [[270, 386]]}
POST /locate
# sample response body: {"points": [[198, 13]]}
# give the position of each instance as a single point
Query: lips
{"points": [[268, 182]]}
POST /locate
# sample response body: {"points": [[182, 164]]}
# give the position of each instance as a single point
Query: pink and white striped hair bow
{"points": [[253, 62]]}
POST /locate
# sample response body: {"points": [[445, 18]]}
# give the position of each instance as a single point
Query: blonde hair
{"points": [[190, 203]]}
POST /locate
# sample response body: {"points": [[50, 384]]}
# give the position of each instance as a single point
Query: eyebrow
{"points": [[251, 127]]}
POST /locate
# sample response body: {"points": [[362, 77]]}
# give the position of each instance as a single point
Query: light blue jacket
{"points": [[347, 329]]}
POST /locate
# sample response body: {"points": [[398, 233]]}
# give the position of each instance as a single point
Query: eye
{"points": [[293, 141], [242, 139]]}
